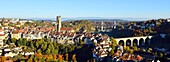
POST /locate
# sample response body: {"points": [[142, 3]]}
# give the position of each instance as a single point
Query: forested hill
{"points": [[79, 24]]}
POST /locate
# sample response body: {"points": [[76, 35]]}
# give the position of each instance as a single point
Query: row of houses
{"points": [[11, 51]]}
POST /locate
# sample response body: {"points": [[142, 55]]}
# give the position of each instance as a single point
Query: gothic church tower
{"points": [[58, 19]]}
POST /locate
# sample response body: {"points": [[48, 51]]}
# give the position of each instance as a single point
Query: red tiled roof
{"points": [[6, 28], [2, 34], [57, 33], [105, 44], [1, 30], [8, 61], [42, 30], [70, 35], [17, 31], [11, 27], [66, 28], [20, 31], [5, 21], [48, 29]]}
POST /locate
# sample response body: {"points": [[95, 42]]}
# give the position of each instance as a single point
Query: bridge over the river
{"points": [[134, 41]]}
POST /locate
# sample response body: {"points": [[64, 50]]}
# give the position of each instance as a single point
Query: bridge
{"points": [[134, 41]]}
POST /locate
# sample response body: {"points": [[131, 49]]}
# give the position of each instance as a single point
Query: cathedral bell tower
{"points": [[58, 22]]}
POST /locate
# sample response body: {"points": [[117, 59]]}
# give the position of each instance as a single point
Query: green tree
{"points": [[14, 40], [48, 51], [27, 24], [54, 51], [24, 41], [113, 43], [134, 48], [8, 42], [81, 42], [111, 52], [10, 24], [32, 45], [131, 51], [18, 23], [29, 49], [19, 42], [66, 56], [160, 54], [44, 46]]}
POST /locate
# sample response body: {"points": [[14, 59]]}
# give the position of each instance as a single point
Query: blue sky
{"points": [[85, 8]]}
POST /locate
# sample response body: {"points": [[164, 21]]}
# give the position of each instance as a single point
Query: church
{"points": [[59, 28]]}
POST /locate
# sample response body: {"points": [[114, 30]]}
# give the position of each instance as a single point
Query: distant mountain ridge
{"points": [[94, 19]]}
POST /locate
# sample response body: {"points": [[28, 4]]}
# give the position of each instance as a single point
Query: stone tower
{"points": [[102, 28], [58, 19]]}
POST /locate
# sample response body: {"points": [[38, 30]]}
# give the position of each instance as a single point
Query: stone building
{"points": [[58, 19]]}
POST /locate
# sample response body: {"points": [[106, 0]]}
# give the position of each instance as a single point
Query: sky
{"points": [[84, 8]]}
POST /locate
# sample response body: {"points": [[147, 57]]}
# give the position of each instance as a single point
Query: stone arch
{"points": [[135, 42], [128, 42], [141, 42], [147, 41], [121, 42]]}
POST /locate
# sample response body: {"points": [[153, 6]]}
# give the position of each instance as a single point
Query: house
{"points": [[65, 38], [2, 35], [0, 52], [1, 43], [8, 61], [5, 45], [14, 20], [18, 25], [17, 34], [11, 54], [23, 22], [67, 29], [168, 20], [32, 36], [70, 38], [11, 28], [7, 50], [27, 53], [6, 22], [6, 29], [19, 49]]}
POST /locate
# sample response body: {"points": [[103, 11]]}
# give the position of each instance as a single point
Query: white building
{"points": [[11, 54], [27, 53], [1, 43], [168, 20], [2, 36]]}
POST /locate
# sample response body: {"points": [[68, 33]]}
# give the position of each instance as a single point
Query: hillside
{"points": [[79, 24]]}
